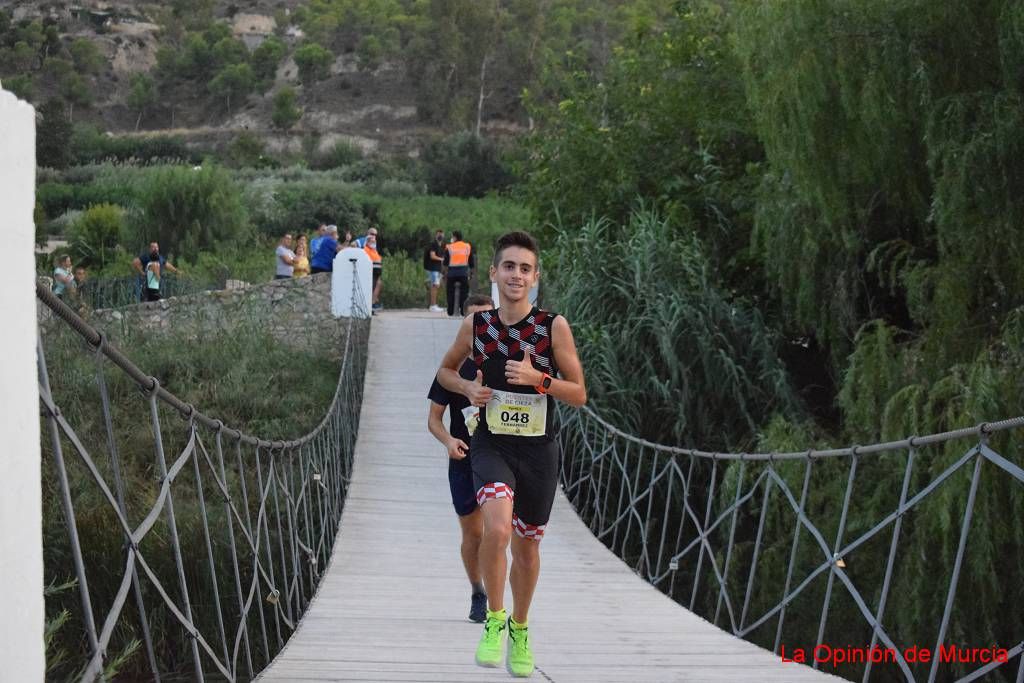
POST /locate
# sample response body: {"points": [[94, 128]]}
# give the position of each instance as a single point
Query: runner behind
{"points": [[460, 472], [525, 358]]}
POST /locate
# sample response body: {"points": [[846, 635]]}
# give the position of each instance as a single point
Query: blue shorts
{"points": [[434, 278], [460, 480]]}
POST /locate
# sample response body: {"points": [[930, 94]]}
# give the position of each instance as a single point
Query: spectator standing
{"points": [[82, 285], [141, 265], [301, 258], [370, 247], [321, 232], [285, 258], [63, 280], [433, 262], [153, 281], [460, 261], [323, 258]]}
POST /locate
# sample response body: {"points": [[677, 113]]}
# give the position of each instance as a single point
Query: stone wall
{"points": [[296, 312]]}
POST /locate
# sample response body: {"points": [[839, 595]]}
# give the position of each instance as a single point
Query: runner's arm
{"points": [[571, 387], [448, 373], [456, 448]]}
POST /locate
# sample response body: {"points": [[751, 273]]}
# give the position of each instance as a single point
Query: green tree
{"points": [[229, 50], [22, 86], [86, 55], [265, 60], [53, 135], [464, 165], [286, 113], [233, 81], [370, 53], [314, 62], [141, 96]]}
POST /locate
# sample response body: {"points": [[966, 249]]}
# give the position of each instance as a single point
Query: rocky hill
{"points": [[373, 108]]}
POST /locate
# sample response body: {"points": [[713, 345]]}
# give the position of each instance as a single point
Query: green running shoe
{"points": [[520, 658], [488, 652]]}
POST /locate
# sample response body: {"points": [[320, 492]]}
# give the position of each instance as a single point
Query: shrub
{"points": [[188, 209], [248, 150], [343, 153], [94, 236], [89, 145], [286, 114], [295, 206], [57, 198], [464, 165]]}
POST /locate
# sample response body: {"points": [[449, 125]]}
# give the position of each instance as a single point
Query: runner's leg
{"points": [[523, 577], [472, 534]]}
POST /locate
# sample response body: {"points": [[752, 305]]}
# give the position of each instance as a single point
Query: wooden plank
{"points": [[393, 604]]}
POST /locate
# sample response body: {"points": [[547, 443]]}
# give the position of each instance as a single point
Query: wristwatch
{"points": [[545, 384]]}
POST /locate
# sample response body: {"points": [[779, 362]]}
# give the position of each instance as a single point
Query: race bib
{"points": [[517, 414]]}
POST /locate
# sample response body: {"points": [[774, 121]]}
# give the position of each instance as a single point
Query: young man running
{"points": [[525, 358], [460, 472]]}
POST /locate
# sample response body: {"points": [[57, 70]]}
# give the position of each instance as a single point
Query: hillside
{"points": [[385, 76], [371, 109]]}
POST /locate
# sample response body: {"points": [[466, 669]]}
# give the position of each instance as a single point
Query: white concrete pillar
{"points": [[21, 552]]}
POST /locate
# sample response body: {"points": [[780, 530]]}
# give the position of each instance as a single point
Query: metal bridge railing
{"points": [[116, 292], [640, 498], [276, 507]]}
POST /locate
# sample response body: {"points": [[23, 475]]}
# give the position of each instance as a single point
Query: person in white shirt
{"points": [[285, 259]]}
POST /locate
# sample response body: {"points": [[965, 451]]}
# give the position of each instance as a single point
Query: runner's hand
{"points": [[522, 372], [476, 392], [457, 449]]}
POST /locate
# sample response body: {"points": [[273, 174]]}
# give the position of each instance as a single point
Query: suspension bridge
{"points": [[335, 556]]}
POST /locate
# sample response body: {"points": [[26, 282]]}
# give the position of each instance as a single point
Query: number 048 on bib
{"points": [[517, 414]]}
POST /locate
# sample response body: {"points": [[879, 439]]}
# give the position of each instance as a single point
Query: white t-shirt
{"points": [[282, 267]]}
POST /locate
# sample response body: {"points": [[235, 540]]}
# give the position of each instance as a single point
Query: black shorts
{"points": [[376, 276], [523, 468], [460, 480]]}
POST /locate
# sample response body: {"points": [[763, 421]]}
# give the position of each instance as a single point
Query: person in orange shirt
{"points": [[460, 264], [370, 247]]}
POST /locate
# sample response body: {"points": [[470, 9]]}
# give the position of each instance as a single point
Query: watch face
{"points": [[546, 383]]}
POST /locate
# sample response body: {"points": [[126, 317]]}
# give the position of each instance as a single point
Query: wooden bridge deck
{"points": [[393, 604]]}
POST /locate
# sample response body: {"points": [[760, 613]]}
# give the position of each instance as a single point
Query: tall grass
{"points": [[237, 374], [668, 355]]}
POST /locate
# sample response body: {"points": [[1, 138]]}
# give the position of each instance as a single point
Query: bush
{"points": [[294, 206], [188, 209], [95, 234], [286, 114], [343, 153], [464, 165], [248, 150], [90, 146], [57, 198]]}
